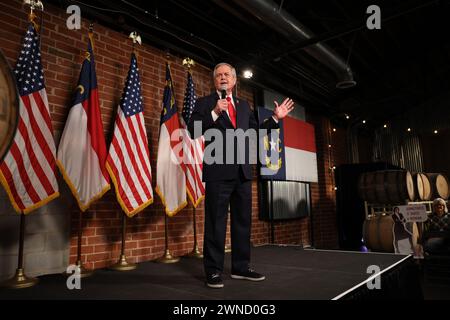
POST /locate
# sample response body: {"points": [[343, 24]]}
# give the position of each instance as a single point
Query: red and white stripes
{"points": [[28, 170]]}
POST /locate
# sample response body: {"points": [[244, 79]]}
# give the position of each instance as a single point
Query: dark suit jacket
{"points": [[245, 119]]}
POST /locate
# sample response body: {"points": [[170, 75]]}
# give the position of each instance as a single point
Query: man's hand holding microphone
{"points": [[222, 103]]}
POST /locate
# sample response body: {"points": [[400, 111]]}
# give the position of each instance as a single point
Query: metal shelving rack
{"points": [[373, 210]]}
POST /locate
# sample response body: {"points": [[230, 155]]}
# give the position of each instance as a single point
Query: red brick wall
{"points": [[62, 54], [331, 151]]}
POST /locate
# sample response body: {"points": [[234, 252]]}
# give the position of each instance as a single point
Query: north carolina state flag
{"points": [[82, 150], [290, 152], [170, 177]]}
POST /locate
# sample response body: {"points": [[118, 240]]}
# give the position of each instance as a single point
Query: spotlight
{"points": [[248, 74], [347, 116], [334, 129], [409, 129], [364, 121], [385, 126], [435, 132]]}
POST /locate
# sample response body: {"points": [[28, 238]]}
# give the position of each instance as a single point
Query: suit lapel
{"points": [[239, 114]]}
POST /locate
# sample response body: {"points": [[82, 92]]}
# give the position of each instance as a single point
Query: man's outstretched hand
{"points": [[283, 109]]}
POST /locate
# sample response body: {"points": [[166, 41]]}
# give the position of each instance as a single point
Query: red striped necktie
{"points": [[231, 112]]}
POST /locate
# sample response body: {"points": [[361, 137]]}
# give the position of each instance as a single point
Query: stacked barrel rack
{"points": [[383, 190]]}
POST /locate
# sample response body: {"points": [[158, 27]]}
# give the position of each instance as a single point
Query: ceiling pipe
{"points": [[278, 19]]}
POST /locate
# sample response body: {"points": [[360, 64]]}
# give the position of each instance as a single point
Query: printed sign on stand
{"points": [[405, 231]]}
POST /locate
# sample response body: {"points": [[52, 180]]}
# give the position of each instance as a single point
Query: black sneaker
{"points": [[214, 280], [248, 275]]}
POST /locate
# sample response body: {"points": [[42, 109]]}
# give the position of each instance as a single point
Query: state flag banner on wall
{"points": [[289, 153]]}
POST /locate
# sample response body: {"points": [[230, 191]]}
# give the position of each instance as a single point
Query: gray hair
{"points": [[233, 70], [440, 201]]}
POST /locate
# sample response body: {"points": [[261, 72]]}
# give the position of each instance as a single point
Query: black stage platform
{"points": [[292, 273]]}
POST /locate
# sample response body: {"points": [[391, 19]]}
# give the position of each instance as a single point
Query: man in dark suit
{"points": [[228, 183]]}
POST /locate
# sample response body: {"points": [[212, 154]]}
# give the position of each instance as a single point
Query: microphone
{"points": [[223, 91]]}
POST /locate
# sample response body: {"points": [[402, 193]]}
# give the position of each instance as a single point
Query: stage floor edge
{"points": [[292, 273]]}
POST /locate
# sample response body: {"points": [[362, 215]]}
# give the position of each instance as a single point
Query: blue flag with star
{"points": [[189, 99], [131, 102], [169, 104], [28, 71]]}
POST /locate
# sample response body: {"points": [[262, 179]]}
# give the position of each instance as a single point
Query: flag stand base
{"points": [[123, 265], [20, 281], [167, 258], [195, 253], [84, 273]]}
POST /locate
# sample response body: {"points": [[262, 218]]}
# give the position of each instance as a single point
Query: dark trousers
{"points": [[218, 196]]}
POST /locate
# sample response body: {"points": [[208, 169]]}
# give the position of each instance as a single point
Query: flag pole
{"points": [[84, 273], [195, 253], [167, 257], [34, 5], [123, 264], [20, 280]]}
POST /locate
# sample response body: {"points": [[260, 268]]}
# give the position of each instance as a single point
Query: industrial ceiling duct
{"points": [[281, 21]]}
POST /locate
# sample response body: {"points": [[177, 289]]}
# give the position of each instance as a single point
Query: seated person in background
{"points": [[436, 233]]}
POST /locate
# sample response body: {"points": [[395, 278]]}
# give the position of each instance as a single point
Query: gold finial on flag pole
{"points": [[91, 37], [188, 62], [34, 5], [136, 39]]}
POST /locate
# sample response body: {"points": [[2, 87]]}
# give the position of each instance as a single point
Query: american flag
{"points": [[128, 160], [192, 149], [28, 170]]}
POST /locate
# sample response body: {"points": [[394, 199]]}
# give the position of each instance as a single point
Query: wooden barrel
{"points": [[416, 191], [378, 234], [439, 186], [423, 186], [384, 187], [9, 106]]}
